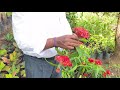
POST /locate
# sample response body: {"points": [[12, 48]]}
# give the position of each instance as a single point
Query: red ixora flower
{"points": [[106, 73], [64, 60], [81, 32], [91, 60], [58, 70], [85, 74], [98, 62]]}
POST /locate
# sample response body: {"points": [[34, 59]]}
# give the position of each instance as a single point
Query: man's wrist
{"points": [[54, 42]]}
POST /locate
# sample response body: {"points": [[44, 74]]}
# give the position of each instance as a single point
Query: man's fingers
{"points": [[70, 47], [74, 44], [74, 41], [74, 36]]}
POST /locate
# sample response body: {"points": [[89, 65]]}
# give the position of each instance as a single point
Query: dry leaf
{"points": [[5, 60]]}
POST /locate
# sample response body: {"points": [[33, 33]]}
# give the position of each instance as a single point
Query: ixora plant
{"points": [[78, 63]]}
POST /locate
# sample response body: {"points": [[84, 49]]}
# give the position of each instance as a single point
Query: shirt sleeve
{"points": [[29, 31]]}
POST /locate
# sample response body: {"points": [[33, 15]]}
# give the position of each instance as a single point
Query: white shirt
{"points": [[32, 29]]}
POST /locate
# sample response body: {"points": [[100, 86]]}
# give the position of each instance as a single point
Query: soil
{"points": [[113, 65]]}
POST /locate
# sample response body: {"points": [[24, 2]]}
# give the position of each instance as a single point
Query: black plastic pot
{"points": [[100, 56], [106, 55]]}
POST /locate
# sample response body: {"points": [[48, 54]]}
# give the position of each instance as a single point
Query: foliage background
{"points": [[101, 26]]}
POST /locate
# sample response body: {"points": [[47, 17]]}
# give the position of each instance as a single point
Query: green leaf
{"points": [[58, 51], [9, 13], [23, 66], [3, 52], [51, 63], [22, 72], [73, 55], [13, 67], [96, 73], [2, 65], [83, 70], [14, 54], [6, 68], [73, 69], [84, 40], [11, 57], [80, 51], [9, 37], [8, 76], [15, 77], [64, 74]]}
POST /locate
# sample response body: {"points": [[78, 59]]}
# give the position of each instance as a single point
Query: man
{"points": [[37, 34]]}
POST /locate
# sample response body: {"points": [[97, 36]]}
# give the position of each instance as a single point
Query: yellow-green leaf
{"points": [[6, 68], [14, 54], [3, 52], [15, 77], [8, 76], [2, 65], [11, 57]]}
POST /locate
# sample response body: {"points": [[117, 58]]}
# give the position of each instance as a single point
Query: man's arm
{"points": [[66, 42], [49, 43]]}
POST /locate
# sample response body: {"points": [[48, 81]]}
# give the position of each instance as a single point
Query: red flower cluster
{"points": [[64, 60], [106, 73], [98, 62], [81, 32]]}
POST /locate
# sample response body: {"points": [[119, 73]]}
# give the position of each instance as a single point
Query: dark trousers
{"points": [[40, 68]]}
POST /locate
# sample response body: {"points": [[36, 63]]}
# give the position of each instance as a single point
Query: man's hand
{"points": [[67, 41]]}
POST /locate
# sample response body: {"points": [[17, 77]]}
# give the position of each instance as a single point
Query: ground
{"points": [[113, 65]]}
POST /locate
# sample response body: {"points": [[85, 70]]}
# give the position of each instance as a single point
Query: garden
{"points": [[96, 57]]}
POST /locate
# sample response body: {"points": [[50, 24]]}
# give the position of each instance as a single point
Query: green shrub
{"points": [[101, 26]]}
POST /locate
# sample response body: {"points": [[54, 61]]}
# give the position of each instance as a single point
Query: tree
{"points": [[115, 58], [5, 25]]}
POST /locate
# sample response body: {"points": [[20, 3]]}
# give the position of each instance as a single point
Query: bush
{"points": [[11, 63], [101, 27]]}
